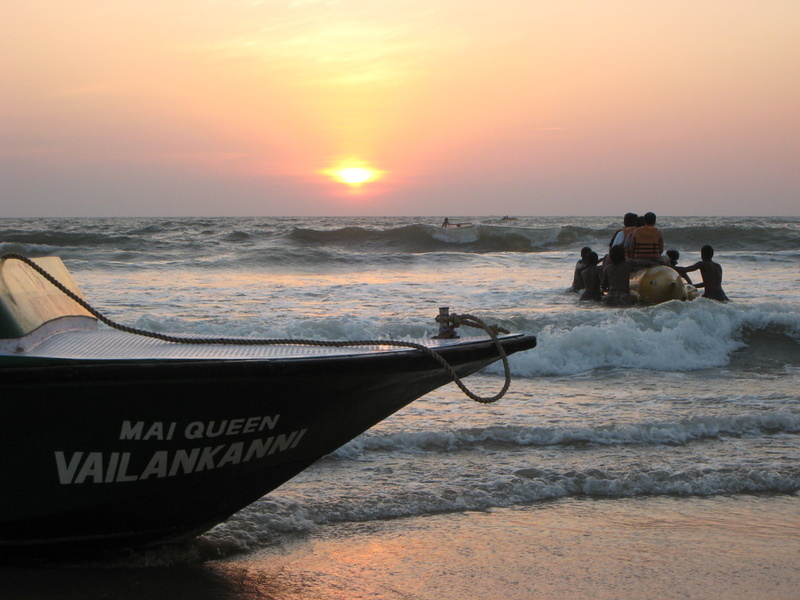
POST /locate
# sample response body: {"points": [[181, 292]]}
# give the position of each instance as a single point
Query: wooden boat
{"points": [[660, 283], [113, 440]]}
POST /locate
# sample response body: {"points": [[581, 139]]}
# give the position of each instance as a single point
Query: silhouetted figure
{"points": [[617, 278], [711, 272], [577, 277], [591, 278]]}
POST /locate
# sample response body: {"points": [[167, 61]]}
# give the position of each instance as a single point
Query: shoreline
{"points": [[663, 547], [714, 548]]}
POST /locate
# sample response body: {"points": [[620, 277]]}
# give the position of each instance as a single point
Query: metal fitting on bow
{"points": [[447, 325]]}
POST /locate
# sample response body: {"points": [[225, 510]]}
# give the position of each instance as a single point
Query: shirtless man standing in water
{"points": [[711, 272], [616, 278]]}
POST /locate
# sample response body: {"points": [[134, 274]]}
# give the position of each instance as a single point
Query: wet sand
{"points": [[668, 548]]}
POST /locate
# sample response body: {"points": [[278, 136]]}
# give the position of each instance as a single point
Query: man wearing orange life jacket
{"points": [[647, 241]]}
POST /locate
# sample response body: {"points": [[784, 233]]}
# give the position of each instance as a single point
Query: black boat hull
{"points": [[122, 454]]}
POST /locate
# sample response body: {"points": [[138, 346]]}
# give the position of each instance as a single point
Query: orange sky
{"points": [[244, 107]]}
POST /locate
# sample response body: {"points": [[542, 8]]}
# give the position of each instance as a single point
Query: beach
{"points": [[720, 548], [643, 452]]}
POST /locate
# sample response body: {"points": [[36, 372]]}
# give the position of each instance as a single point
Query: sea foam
{"points": [[675, 337]]}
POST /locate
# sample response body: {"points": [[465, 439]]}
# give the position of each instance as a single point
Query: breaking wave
{"points": [[672, 337], [677, 433], [258, 524]]}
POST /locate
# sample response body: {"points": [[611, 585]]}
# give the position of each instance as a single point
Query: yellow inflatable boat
{"points": [[660, 284]]}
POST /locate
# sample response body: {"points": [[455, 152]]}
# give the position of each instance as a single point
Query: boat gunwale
{"points": [[19, 369]]}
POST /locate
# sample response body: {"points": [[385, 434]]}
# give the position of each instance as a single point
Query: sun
{"points": [[353, 173]]}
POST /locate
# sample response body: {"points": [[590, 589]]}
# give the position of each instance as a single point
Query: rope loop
{"points": [[455, 321]]}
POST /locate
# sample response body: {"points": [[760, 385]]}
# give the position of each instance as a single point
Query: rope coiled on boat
{"points": [[454, 320]]}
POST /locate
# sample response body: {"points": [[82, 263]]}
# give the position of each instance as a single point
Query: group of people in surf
{"points": [[638, 244]]}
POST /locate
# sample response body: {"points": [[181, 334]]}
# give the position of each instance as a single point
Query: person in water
{"points": [[446, 222], [591, 278], [616, 278], [711, 272], [647, 242], [674, 256], [577, 277]]}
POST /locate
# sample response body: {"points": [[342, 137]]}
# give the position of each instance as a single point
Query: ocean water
{"points": [[695, 400]]}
